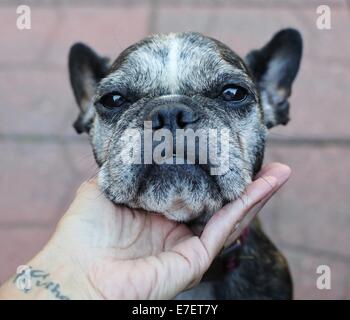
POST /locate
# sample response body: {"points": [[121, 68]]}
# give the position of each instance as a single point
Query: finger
{"points": [[161, 277], [185, 264], [270, 166], [223, 222], [247, 219], [241, 226]]}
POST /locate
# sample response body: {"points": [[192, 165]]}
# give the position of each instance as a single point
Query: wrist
{"points": [[50, 276]]}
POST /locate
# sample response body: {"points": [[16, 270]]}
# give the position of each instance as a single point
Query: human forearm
{"points": [[49, 276]]}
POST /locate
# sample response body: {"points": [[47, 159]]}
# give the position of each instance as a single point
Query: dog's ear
{"points": [[275, 67], [86, 69]]}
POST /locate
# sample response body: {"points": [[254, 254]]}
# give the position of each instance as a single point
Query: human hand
{"points": [[101, 250]]}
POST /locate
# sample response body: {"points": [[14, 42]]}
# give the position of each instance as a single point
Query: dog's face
{"points": [[177, 82]]}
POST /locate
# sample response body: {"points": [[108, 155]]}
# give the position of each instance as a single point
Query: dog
{"points": [[181, 81]]}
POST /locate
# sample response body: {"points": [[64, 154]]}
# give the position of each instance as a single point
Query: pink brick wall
{"points": [[42, 161]]}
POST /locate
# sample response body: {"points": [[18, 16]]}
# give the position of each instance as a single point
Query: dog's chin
{"points": [[183, 193], [179, 192]]}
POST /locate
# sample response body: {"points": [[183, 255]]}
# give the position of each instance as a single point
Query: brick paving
{"points": [[42, 161]]}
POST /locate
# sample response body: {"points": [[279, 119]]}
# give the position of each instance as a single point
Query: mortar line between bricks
{"points": [[32, 138], [348, 5], [34, 66], [314, 251], [310, 141], [197, 3], [153, 16], [27, 225]]}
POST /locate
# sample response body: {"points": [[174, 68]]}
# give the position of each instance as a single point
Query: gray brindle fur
{"points": [[184, 74]]}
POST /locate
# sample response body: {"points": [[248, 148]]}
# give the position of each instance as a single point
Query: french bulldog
{"points": [[187, 81]]}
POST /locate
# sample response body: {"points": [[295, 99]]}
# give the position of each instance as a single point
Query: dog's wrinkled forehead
{"points": [[185, 63]]}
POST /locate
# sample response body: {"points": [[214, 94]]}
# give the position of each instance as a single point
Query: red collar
{"points": [[228, 260], [229, 256]]}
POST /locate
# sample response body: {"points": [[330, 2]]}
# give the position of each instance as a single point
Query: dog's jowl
{"points": [[178, 124]]}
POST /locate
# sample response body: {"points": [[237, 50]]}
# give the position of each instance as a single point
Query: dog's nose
{"points": [[172, 117]]}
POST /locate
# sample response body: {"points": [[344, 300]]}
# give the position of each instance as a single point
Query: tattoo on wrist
{"points": [[28, 278]]}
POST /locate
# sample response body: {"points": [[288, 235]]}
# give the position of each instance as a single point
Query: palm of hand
{"points": [[113, 243], [131, 254]]}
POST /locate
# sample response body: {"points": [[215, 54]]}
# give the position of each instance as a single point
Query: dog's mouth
{"points": [[177, 191], [174, 159], [182, 184]]}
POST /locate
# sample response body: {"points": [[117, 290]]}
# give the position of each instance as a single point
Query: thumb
{"points": [[184, 265], [180, 268], [219, 227]]}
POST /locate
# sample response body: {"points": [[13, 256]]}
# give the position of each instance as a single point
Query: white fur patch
{"points": [[173, 57]]}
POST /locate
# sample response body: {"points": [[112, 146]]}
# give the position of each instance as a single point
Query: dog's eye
{"points": [[234, 93], [112, 100]]}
